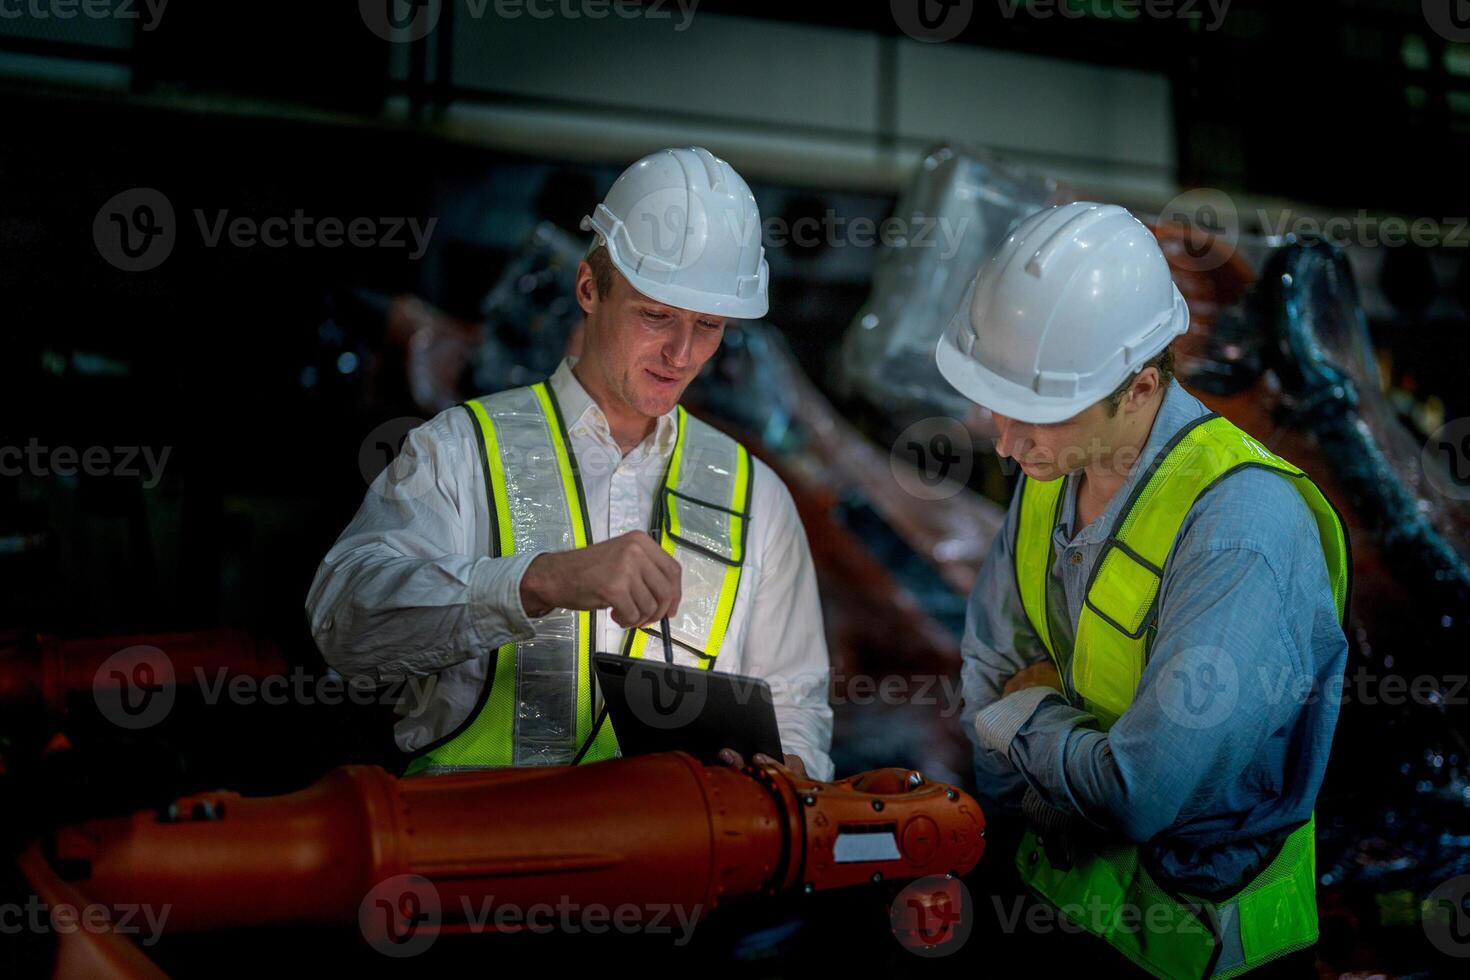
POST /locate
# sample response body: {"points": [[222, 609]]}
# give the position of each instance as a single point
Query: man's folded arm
{"points": [[1222, 635], [401, 593]]}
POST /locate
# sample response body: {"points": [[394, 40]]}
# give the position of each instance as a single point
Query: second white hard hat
{"points": [[683, 227], [1073, 302]]}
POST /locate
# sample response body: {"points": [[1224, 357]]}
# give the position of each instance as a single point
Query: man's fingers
{"points": [[624, 613], [647, 603], [664, 586], [628, 608], [731, 758], [646, 581]]}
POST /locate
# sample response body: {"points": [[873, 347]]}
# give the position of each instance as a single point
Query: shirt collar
{"points": [[1177, 410], [578, 406]]}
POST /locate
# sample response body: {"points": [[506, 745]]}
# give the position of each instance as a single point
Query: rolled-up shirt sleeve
{"points": [[786, 644], [998, 642], [402, 592]]}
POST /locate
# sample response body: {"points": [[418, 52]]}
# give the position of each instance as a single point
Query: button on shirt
{"points": [[409, 589], [1220, 753]]}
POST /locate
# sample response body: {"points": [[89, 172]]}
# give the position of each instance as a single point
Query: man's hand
{"points": [[630, 573], [792, 763], [1037, 675]]}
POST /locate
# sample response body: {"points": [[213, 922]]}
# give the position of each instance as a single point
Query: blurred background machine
{"points": [[268, 385]]}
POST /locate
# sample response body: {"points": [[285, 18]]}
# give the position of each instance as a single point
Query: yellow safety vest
{"points": [[535, 707], [1170, 935]]}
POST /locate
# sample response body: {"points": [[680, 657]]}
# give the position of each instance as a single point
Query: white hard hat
{"points": [[1073, 302], [683, 228]]}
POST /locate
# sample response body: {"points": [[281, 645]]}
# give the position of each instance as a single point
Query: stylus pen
{"points": [[658, 523]]}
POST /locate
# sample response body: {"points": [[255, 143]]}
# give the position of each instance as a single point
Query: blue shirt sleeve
{"points": [[1233, 645], [998, 641]]}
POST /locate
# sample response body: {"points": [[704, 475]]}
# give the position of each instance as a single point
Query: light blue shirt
{"points": [[1222, 751]]}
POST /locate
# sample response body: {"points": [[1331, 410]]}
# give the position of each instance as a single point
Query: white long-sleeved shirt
{"points": [[409, 590]]}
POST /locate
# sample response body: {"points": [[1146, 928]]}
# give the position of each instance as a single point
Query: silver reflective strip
{"points": [[444, 770], [545, 724], [707, 470]]}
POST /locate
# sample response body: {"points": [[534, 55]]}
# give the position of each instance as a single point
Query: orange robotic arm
{"points": [[649, 832]]}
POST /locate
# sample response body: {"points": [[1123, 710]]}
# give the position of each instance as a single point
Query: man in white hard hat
{"points": [[1161, 591], [523, 531]]}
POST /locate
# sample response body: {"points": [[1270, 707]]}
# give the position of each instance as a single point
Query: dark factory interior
{"points": [[258, 257]]}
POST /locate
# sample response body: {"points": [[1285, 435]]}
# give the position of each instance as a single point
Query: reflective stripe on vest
{"points": [[1275, 912], [535, 708], [705, 520]]}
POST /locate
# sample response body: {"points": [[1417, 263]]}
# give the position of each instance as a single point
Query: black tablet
{"points": [[661, 707]]}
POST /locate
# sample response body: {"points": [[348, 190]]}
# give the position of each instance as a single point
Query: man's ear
{"points": [[1144, 386], [587, 296]]}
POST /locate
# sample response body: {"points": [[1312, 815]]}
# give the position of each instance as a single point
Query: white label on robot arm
{"points": [[865, 844]]}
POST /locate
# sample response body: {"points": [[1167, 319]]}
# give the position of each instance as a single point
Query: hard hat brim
{"points": [[694, 300], [671, 294], [1003, 396], [989, 390]]}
